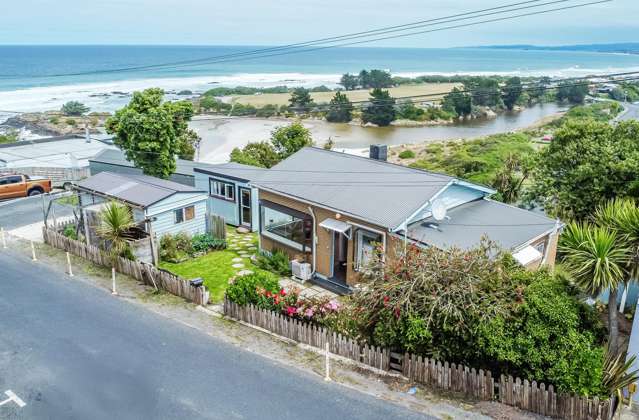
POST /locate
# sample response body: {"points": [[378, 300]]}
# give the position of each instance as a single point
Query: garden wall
{"points": [[145, 273], [478, 384]]}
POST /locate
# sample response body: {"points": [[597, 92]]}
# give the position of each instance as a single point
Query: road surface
{"points": [[631, 112], [72, 351], [22, 212]]}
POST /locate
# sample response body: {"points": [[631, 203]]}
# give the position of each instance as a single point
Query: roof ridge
{"points": [[137, 178], [382, 163]]}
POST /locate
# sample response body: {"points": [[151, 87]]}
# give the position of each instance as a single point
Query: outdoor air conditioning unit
{"points": [[301, 270]]}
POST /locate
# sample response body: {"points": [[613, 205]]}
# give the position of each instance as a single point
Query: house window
{"points": [[222, 189], [184, 214], [286, 226], [541, 247], [367, 243]]}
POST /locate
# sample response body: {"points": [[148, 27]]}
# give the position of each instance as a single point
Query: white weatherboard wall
{"points": [[163, 213]]}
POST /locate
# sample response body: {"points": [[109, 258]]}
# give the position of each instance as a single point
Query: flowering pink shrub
{"points": [[291, 304]]}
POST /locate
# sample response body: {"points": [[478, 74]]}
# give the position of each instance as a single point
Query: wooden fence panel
{"points": [[530, 396], [163, 279]]}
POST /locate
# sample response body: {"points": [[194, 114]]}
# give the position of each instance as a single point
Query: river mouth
{"points": [[220, 135]]}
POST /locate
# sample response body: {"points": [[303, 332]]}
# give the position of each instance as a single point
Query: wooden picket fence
{"points": [[145, 273], [479, 384]]}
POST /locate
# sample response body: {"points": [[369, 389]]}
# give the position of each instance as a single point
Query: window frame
{"points": [[225, 186], [183, 214], [358, 242], [295, 214]]}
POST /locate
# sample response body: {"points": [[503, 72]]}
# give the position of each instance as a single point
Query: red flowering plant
{"points": [[292, 304]]}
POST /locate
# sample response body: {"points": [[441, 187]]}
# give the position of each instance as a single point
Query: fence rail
{"points": [[478, 384], [145, 273]]}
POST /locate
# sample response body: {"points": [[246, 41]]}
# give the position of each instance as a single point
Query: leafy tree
{"points": [[115, 222], [260, 154], [586, 164], [379, 79], [74, 108], [381, 110], [572, 92], [596, 259], [364, 79], [152, 132], [289, 139], [618, 94], [458, 102], [340, 109], [409, 111], [208, 102], [188, 144], [539, 88], [485, 91], [301, 100], [349, 81], [512, 92]]}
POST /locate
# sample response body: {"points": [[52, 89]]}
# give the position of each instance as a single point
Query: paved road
{"points": [[72, 351], [21, 212], [632, 112]]}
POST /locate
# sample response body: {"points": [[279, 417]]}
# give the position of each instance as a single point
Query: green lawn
{"points": [[215, 268]]}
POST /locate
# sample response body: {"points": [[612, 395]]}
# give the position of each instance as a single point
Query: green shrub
{"points": [[71, 122], [69, 232], [277, 262], [54, 120], [74, 108], [174, 248], [247, 289], [407, 154], [205, 242]]}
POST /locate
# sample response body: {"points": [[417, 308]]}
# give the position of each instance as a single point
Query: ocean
{"points": [[24, 88]]}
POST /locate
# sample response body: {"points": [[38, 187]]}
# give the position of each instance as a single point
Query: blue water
{"points": [[21, 66]]}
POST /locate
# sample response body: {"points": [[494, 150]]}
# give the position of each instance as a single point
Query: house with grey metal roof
{"points": [[330, 210], [161, 207]]}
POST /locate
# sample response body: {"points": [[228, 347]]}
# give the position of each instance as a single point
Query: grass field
{"points": [[353, 95]]}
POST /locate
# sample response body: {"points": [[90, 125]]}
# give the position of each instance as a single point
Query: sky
{"points": [[259, 22]]}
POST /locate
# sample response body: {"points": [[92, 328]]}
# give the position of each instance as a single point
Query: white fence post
{"points": [[33, 253], [114, 292], [327, 377], [69, 264], [4, 240]]}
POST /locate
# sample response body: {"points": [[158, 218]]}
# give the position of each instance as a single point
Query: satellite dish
{"points": [[438, 208]]}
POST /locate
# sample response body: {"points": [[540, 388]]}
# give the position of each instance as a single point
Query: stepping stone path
{"points": [[238, 265], [244, 273], [237, 260]]}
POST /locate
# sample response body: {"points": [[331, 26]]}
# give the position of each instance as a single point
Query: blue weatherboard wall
{"points": [[164, 218], [229, 210]]}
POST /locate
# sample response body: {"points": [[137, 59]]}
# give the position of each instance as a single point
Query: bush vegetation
{"points": [[179, 247], [277, 262], [74, 108], [406, 154]]}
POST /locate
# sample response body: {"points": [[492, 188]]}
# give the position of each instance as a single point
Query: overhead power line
{"points": [[302, 47]]}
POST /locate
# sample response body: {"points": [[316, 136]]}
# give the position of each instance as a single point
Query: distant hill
{"points": [[625, 47]]}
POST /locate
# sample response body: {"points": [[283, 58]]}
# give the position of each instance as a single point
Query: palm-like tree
{"points": [[622, 216], [597, 261], [115, 222]]}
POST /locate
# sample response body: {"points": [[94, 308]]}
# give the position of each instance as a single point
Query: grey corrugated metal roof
{"points": [[232, 170], [187, 167], [378, 192], [139, 190], [508, 226], [117, 157]]}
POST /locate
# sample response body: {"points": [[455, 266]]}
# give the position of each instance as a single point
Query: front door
{"points": [[246, 212], [339, 257]]}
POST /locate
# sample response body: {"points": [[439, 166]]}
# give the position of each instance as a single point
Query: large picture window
{"points": [[222, 189], [367, 244], [284, 225]]}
